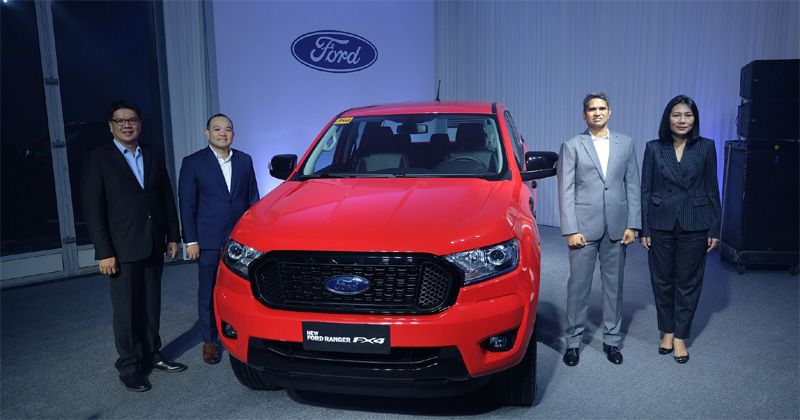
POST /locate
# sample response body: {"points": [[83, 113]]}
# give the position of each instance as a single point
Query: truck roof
{"points": [[458, 107]]}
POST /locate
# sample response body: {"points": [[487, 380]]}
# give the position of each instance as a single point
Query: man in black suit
{"points": [[132, 221]]}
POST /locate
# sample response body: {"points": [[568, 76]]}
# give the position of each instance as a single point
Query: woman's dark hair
{"points": [[665, 132]]}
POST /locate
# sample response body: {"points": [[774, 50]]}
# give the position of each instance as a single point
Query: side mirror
{"points": [[281, 166], [539, 165]]}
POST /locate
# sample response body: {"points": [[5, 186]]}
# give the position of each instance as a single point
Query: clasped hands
{"points": [[645, 241], [576, 240]]}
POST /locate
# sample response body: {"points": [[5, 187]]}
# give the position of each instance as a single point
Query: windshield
{"points": [[423, 145]]}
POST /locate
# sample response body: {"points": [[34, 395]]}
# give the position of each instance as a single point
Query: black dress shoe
{"points": [[571, 357], [663, 350], [613, 354], [165, 366], [135, 382], [682, 359]]}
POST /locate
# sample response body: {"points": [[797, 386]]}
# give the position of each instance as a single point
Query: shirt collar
{"points": [[124, 149], [606, 137], [219, 158]]}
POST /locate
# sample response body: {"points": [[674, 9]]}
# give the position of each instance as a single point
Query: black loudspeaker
{"points": [[770, 80], [760, 204], [769, 120]]}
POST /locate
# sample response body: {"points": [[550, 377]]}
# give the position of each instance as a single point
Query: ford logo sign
{"points": [[347, 285], [334, 51]]}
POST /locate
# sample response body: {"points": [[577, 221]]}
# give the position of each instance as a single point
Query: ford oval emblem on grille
{"points": [[334, 51], [347, 285]]}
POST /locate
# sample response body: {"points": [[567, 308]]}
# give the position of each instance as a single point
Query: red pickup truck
{"points": [[399, 257]]}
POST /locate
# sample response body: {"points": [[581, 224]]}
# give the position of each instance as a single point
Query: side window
{"points": [[516, 141]]}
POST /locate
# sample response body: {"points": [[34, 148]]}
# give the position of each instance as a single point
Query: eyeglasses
{"points": [[131, 121]]}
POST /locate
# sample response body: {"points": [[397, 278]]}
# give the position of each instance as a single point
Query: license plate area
{"points": [[346, 338]]}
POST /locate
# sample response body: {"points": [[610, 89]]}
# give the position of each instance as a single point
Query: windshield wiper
{"points": [[327, 175]]}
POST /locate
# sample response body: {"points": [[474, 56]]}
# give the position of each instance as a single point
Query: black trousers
{"points": [[677, 262], [136, 304]]}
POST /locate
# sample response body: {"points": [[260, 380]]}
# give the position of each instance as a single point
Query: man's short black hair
{"points": [[595, 95], [208, 124], [126, 104]]}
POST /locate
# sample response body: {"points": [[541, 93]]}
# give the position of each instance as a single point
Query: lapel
{"points": [[211, 160], [118, 161], [234, 170], [147, 164], [691, 161], [586, 141], [671, 159], [613, 150]]}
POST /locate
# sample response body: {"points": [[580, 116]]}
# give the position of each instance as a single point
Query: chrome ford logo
{"points": [[334, 51], [347, 285]]}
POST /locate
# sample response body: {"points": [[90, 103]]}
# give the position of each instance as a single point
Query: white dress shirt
{"points": [[227, 168], [601, 145]]}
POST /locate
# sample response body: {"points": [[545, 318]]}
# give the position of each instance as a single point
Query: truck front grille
{"points": [[399, 283]]}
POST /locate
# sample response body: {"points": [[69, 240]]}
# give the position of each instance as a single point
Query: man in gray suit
{"points": [[599, 199]]}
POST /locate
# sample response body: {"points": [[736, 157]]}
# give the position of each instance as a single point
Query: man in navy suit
{"points": [[216, 186], [131, 217]]}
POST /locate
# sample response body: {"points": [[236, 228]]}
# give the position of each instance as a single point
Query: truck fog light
{"points": [[228, 331], [500, 343]]}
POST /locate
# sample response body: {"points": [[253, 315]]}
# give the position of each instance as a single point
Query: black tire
{"points": [[517, 386], [250, 377]]}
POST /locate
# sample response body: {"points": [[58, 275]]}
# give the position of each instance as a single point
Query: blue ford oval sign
{"points": [[334, 51], [347, 285]]}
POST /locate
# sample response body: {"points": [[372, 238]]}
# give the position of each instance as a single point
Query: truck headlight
{"points": [[481, 264], [238, 257]]}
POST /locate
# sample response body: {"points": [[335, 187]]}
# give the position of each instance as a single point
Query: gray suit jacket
{"points": [[590, 202]]}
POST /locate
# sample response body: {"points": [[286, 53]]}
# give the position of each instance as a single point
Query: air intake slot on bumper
{"points": [[410, 372]]}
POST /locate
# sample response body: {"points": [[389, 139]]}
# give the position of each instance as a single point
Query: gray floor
{"points": [[57, 357]]}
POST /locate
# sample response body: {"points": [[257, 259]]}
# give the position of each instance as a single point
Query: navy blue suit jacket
{"points": [[208, 210], [686, 191]]}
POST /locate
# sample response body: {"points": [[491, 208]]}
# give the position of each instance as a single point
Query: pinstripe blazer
{"points": [[686, 191]]}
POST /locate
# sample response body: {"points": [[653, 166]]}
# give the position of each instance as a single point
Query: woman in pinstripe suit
{"points": [[680, 219]]}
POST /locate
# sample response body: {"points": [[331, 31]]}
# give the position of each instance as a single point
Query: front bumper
{"points": [[438, 354], [420, 372]]}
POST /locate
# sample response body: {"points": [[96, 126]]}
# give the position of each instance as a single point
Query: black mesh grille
{"points": [[399, 283]]}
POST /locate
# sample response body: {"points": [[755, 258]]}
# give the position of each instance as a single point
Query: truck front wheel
{"points": [[517, 386]]}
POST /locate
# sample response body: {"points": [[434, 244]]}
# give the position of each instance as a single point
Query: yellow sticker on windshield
{"points": [[343, 120]]}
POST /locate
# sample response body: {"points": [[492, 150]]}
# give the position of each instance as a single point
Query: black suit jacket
{"points": [[686, 191], [124, 220]]}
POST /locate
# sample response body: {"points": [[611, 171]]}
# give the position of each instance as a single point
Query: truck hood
{"points": [[439, 215]]}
